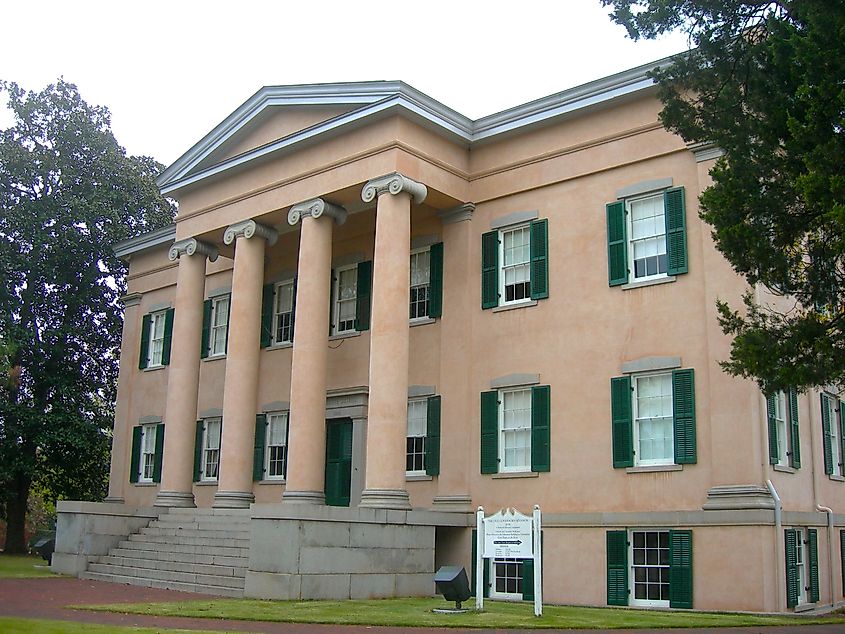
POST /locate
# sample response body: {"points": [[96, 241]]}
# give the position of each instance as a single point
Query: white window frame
{"points": [[280, 418], [802, 538], [782, 422], [524, 429], [278, 315], [155, 352], [219, 331], [654, 603], [207, 450], [496, 566], [336, 300], [638, 460], [526, 228], [629, 221], [835, 446], [415, 404], [147, 458], [426, 285]]}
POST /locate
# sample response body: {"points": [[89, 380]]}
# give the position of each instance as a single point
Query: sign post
{"points": [[509, 534]]}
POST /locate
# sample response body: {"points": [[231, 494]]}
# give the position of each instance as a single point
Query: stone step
{"points": [[196, 532], [190, 558], [169, 575], [198, 524], [174, 566], [168, 585], [139, 543], [215, 512], [189, 540]]}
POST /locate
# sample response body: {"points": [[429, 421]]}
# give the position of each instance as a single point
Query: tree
{"points": [[67, 193], [764, 82]]}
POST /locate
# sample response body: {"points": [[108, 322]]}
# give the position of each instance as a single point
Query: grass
{"points": [[417, 613], [23, 567], [44, 626]]}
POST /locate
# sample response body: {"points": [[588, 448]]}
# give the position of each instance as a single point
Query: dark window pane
{"points": [[639, 540], [651, 540]]}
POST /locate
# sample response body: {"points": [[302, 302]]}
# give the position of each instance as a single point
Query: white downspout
{"points": [[830, 555], [779, 546]]}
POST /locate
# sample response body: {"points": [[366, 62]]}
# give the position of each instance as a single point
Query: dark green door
{"points": [[338, 461]]}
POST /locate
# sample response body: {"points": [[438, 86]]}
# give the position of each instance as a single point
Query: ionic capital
{"points": [[192, 246], [248, 229], [316, 208], [393, 184]]}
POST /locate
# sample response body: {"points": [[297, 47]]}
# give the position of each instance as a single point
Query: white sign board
{"points": [[508, 533]]}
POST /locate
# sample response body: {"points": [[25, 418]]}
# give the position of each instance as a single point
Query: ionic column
{"points": [[180, 412], [307, 431], [387, 410], [240, 390]]}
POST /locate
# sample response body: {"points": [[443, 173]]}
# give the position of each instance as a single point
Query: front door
{"points": [[338, 461]]}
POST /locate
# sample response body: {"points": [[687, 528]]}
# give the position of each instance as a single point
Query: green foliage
{"points": [[764, 84], [67, 193]]}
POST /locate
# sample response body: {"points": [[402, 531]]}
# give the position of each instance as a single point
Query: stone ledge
{"points": [[738, 497]]}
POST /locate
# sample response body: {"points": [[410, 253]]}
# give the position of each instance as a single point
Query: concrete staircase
{"points": [[193, 550]]}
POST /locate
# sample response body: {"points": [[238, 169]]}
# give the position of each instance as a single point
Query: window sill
{"points": [[417, 477], [515, 305], [515, 474], [146, 484], [153, 368], [783, 469], [272, 481], [656, 468], [421, 321], [206, 483], [660, 280], [805, 607], [345, 335], [837, 478], [280, 346], [215, 357]]}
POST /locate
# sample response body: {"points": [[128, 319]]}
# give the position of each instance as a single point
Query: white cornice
{"points": [[372, 101], [156, 238]]}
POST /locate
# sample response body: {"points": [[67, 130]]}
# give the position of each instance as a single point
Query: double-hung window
{"points": [[351, 298], [516, 430], [784, 438], [156, 337], [833, 435], [207, 449], [514, 264], [422, 442], [283, 313], [653, 419], [147, 453], [420, 283], [646, 237], [215, 326], [270, 461]]}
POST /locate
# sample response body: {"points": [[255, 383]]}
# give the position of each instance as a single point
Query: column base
{"points": [[385, 499], [233, 499], [175, 499], [317, 498], [452, 503]]}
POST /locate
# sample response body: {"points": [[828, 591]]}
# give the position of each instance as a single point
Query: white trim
{"points": [[336, 300], [266, 465], [274, 322], [638, 461]]}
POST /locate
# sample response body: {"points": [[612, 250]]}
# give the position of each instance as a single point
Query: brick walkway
{"points": [[45, 598]]}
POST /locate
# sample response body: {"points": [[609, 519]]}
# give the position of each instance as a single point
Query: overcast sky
{"points": [[170, 71]]}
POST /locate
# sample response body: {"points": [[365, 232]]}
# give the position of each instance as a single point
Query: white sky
{"points": [[170, 71]]}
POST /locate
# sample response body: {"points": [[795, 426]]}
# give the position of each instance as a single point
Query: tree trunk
{"points": [[16, 499]]}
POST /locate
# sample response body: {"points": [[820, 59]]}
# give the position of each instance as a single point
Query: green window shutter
{"points": [[159, 454], [362, 300], [826, 444], [258, 448], [622, 424], [435, 283], [198, 451], [617, 244], [676, 231], [680, 569], [135, 459], [143, 356], [490, 432], [228, 317], [432, 437], [617, 567], [527, 579], [168, 336], [206, 328], [842, 558], [287, 449], [791, 550], [841, 411], [490, 269], [813, 560], [539, 236], [268, 294], [541, 458], [773, 429], [795, 454], [683, 402]]}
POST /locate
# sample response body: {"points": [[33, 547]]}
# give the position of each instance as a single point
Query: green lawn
{"points": [[23, 566], [43, 626], [417, 612]]}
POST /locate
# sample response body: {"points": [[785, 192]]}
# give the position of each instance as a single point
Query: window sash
{"points": [[420, 283], [346, 295], [507, 578], [415, 439], [148, 451], [276, 453], [156, 350], [283, 313], [647, 237], [515, 258], [649, 557], [782, 428], [515, 430], [833, 435], [801, 564], [652, 411], [211, 449], [219, 325]]}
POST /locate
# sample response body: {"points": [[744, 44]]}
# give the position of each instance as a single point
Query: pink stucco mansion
{"points": [[374, 315]]}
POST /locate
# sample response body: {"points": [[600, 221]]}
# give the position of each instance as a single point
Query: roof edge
{"points": [[145, 241]]}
